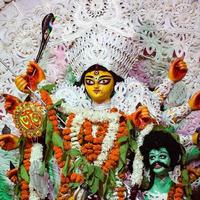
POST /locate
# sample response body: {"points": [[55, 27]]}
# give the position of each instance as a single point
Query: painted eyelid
{"points": [[152, 157], [89, 81], [151, 154], [163, 155]]}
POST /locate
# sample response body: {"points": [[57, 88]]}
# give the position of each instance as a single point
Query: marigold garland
{"points": [[51, 112], [64, 190], [58, 152], [26, 162], [24, 190], [76, 178], [90, 145], [67, 131], [114, 153], [121, 192], [177, 191]]}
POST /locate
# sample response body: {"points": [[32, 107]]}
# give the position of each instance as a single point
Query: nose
{"points": [[96, 85], [157, 158]]}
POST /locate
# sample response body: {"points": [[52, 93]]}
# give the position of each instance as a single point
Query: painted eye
{"points": [[104, 81], [151, 157], [163, 156], [89, 82]]}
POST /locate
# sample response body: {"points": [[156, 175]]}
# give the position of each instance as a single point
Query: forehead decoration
{"points": [[96, 72]]}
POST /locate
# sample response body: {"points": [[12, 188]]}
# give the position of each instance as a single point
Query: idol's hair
{"points": [[157, 140]]}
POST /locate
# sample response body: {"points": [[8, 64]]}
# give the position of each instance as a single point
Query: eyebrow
{"points": [[89, 76], [106, 76], [159, 152], [164, 152]]}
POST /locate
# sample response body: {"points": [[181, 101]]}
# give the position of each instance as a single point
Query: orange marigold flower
{"points": [[68, 123], [115, 158], [88, 146], [122, 175], [64, 190], [88, 131], [88, 138], [61, 164], [105, 169], [24, 192], [84, 150], [79, 178], [51, 112], [73, 177], [97, 147], [67, 137], [121, 129], [120, 194], [58, 155], [66, 131], [98, 140]]}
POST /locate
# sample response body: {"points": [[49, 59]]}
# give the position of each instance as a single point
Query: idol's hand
{"points": [[22, 83], [11, 102], [194, 101], [35, 72], [196, 137], [34, 75], [8, 142], [12, 175], [141, 117], [177, 70]]}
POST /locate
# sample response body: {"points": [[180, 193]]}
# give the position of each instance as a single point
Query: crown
{"points": [[104, 47]]}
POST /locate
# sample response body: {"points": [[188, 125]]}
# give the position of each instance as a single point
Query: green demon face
{"points": [[159, 161]]}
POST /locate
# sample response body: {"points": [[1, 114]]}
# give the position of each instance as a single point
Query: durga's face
{"points": [[99, 85]]}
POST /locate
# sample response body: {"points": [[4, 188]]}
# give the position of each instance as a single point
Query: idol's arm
{"points": [[177, 71], [176, 114]]}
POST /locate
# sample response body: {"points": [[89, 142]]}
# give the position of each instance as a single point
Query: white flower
{"points": [[136, 177]]}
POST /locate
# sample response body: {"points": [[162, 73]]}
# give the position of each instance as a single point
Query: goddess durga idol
{"points": [[92, 129]]}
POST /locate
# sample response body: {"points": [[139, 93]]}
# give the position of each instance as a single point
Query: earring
{"points": [[147, 174], [175, 173]]}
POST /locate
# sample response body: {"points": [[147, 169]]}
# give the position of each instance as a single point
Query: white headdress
{"points": [[104, 47]]}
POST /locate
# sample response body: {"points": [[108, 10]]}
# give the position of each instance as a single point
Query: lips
{"points": [[157, 166], [96, 91]]}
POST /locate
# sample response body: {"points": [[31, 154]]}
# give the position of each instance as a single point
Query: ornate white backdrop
{"points": [[161, 28]]}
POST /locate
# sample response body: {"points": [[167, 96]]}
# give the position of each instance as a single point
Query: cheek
{"points": [[166, 161], [151, 161], [107, 90], [88, 89]]}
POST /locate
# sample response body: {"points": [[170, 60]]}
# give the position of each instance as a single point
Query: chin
{"points": [[159, 171]]}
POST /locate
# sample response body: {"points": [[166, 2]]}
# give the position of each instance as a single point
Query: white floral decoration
{"points": [[38, 186], [136, 177]]}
